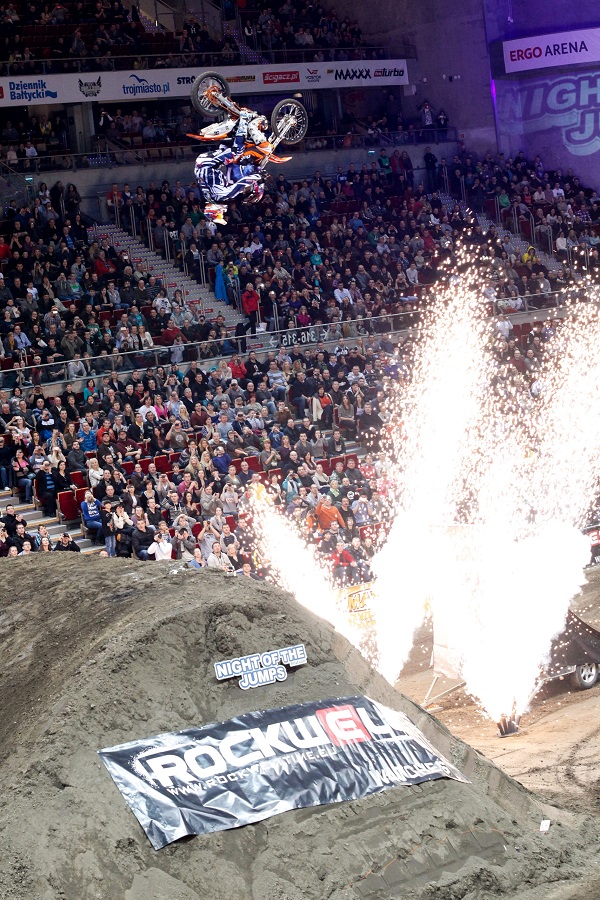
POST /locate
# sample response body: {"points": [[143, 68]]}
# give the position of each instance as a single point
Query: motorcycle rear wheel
{"points": [[279, 119], [203, 104]]}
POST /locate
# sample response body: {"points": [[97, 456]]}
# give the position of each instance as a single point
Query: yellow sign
{"points": [[357, 600]]}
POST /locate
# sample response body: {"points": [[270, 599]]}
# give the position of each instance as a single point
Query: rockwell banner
{"points": [[263, 763]]}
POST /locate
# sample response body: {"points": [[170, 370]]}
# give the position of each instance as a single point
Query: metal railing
{"points": [[262, 46], [24, 374], [126, 218], [174, 58], [109, 154], [161, 14], [14, 186]]}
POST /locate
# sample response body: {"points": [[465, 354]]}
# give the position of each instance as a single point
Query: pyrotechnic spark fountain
{"points": [[491, 484], [508, 598], [527, 554], [294, 567], [518, 473], [438, 411]]}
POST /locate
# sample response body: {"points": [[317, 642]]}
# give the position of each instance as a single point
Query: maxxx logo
{"points": [[142, 86], [30, 90], [570, 103], [353, 74]]}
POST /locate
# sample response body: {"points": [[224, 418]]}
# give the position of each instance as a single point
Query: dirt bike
{"points": [[211, 98]]}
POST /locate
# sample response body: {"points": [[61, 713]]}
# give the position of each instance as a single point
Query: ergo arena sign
{"points": [[565, 48]]}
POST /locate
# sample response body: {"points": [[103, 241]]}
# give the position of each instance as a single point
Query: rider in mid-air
{"points": [[230, 172]]}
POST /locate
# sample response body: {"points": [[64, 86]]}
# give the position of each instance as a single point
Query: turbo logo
{"points": [[568, 102], [388, 73]]}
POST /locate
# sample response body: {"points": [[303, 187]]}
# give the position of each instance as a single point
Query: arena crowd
{"points": [[178, 420]]}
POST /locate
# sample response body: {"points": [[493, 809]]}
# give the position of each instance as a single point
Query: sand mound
{"points": [[95, 654]]}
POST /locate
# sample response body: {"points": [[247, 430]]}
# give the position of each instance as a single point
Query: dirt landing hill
{"points": [[95, 653]]}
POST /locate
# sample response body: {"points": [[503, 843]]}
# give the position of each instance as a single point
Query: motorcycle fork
{"points": [[274, 141], [224, 102]]}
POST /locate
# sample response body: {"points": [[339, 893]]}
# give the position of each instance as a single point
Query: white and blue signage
{"points": [[261, 668]]}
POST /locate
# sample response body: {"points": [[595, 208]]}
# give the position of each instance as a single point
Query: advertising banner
{"points": [[260, 764], [565, 48], [555, 116], [112, 87], [257, 669], [358, 600]]}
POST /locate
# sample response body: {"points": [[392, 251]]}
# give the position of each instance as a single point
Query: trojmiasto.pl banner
{"points": [[263, 763]]}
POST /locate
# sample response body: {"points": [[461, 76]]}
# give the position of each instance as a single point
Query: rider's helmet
{"points": [[263, 123]]}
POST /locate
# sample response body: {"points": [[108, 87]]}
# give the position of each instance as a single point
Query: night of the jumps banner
{"points": [[263, 763]]}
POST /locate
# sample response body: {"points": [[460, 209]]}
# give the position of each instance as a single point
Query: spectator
{"points": [[90, 510], [5, 464], [218, 559], [250, 302], [160, 547], [141, 540], [46, 488], [66, 544]]}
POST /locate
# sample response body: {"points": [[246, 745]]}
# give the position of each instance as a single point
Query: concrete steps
{"points": [[35, 517], [172, 277], [518, 244]]}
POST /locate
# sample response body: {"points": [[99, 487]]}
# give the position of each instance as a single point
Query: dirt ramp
{"points": [[94, 654]]}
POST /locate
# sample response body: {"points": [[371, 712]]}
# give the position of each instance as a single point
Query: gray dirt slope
{"points": [[93, 654]]}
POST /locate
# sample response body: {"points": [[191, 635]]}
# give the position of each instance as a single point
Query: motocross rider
{"points": [[229, 172]]}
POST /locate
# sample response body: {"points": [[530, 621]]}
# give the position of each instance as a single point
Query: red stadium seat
{"points": [[163, 463], [69, 505]]}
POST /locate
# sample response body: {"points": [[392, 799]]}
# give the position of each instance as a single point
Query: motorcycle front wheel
{"points": [[201, 101], [289, 120]]}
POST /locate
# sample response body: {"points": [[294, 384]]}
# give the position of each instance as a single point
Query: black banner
{"points": [[263, 763]]}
